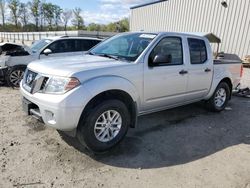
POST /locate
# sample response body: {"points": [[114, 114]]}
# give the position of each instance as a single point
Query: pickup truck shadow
{"points": [[179, 136]]}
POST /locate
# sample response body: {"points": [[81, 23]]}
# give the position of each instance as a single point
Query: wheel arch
{"points": [[215, 84], [228, 81], [118, 94]]}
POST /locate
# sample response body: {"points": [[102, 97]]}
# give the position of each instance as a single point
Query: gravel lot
{"points": [[183, 147]]}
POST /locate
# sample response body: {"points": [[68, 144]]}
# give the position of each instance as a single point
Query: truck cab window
{"points": [[169, 48], [198, 51]]}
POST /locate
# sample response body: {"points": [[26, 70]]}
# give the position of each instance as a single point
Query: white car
{"points": [[14, 58], [98, 96]]}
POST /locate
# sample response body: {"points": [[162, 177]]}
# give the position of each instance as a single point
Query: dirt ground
{"points": [[183, 147]]}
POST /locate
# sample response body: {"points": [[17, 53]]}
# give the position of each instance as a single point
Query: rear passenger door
{"points": [[200, 69]]}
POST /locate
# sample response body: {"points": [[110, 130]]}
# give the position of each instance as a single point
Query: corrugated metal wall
{"points": [[231, 24]]}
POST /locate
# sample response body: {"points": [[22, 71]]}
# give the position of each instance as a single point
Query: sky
{"points": [[100, 11]]}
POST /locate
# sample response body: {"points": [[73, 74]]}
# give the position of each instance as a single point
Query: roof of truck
{"points": [[212, 38]]}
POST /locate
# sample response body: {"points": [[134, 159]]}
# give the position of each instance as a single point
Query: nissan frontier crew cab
{"points": [[98, 96]]}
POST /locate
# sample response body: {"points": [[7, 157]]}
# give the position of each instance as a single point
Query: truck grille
{"points": [[45, 80], [29, 78], [34, 82]]}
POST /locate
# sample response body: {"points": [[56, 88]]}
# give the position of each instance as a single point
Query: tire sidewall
{"points": [[86, 129], [9, 83], [227, 89]]}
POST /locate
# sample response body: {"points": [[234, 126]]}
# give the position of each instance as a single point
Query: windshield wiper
{"points": [[89, 53], [108, 56]]}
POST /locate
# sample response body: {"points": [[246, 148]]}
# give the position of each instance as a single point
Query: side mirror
{"points": [[160, 59], [47, 51]]}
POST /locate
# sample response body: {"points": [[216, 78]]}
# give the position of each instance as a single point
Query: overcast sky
{"points": [[100, 11]]}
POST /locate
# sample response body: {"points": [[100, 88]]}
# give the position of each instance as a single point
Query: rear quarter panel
{"points": [[225, 70]]}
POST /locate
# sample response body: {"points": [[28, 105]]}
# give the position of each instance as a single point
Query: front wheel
{"points": [[15, 75], [220, 98], [104, 126]]}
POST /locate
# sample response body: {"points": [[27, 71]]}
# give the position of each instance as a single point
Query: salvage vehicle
{"points": [[98, 96], [14, 58]]}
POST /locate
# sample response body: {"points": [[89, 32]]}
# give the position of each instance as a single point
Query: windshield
{"points": [[38, 45], [125, 46]]}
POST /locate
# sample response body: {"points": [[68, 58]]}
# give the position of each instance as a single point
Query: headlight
{"points": [[60, 85]]}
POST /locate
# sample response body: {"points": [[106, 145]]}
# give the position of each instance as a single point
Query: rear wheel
{"points": [[104, 126], [220, 98], [15, 75]]}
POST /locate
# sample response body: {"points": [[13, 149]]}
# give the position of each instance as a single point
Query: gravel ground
{"points": [[174, 148]]}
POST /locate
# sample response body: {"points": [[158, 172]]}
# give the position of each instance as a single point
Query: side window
{"points": [[85, 45], [167, 52], [62, 46], [95, 42], [198, 51]]}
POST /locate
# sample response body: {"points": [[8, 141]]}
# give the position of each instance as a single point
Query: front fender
{"points": [[101, 84], [19, 60]]}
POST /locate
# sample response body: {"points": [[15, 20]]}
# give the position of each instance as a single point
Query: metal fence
{"points": [[29, 37]]}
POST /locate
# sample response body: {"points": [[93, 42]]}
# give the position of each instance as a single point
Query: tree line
{"points": [[39, 15]]}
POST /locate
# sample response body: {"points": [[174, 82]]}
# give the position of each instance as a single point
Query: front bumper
{"points": [[61, 112]]}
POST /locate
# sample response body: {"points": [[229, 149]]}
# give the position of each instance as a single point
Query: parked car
{"points": [[15, 58], [98, 96]]}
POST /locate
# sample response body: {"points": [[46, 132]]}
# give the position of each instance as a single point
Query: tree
{"points": [[48, 10], [66, 16], [23, 14], [111, 27], [2, 10], [14, 6], [123, 25], [78, 19], [57, 15], [35, 11]]}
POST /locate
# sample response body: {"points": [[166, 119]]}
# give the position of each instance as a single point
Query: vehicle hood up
{"points": [[12, 49], [70, 65]]}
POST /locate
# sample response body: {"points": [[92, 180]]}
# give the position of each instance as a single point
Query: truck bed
{"points": [[228, 59]]}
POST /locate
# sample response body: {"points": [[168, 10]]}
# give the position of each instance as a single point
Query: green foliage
{"points": [[14, 9], [35, 10], [120, 26], [78, 19], [38, 15]]}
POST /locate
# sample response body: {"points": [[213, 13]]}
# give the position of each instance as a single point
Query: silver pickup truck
{"points": [[98, 96]]}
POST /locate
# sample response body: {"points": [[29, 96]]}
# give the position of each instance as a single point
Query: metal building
{"points": [[228, 19]]}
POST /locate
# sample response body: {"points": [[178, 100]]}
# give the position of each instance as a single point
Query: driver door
{"points": [[165, 82]]}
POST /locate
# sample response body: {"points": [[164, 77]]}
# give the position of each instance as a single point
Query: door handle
{"points": [[182, 72], [207, 70]]}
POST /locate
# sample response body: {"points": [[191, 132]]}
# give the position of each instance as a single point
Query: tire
{"points": [[95, 134], [220, 98], [14, 76]]}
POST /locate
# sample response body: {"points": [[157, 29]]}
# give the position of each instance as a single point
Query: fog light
{"points": [[50, 117]]}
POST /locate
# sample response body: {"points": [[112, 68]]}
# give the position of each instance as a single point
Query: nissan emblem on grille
{"points": [[30, 78]]}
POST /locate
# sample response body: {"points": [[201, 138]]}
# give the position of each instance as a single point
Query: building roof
{"points": [[146, 4]]}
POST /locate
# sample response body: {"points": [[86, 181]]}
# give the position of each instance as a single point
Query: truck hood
{"points": [[71, 65]]}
